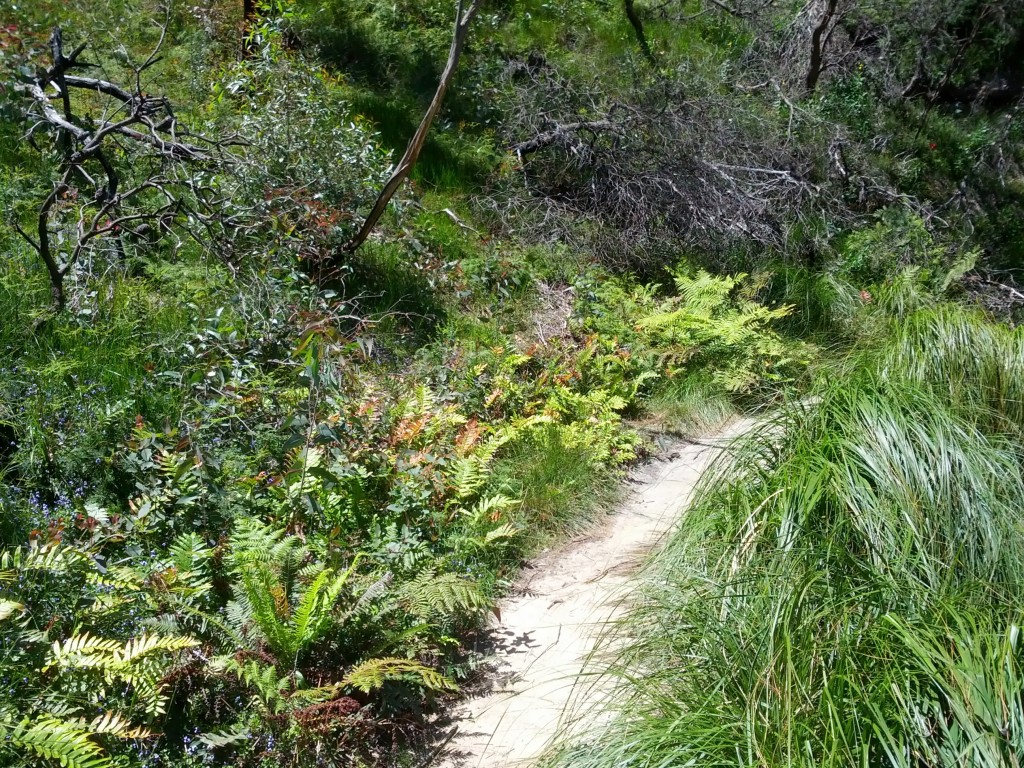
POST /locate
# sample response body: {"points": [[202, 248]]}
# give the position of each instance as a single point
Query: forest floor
{"points": [[549, 624]]}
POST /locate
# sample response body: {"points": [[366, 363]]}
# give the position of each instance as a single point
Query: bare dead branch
{"points": [[146, 129], [28, 238], [51, 115], [562, 134], [100, 86], [43, 230]]}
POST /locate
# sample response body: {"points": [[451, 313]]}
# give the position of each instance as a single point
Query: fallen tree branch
{"points": [[562, 133], [100, 86]]}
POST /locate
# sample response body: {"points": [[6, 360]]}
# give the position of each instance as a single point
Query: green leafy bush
{"points": [[307, 162], [897, 240], [709, 336]]}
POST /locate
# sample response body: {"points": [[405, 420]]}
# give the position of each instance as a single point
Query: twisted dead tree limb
{"points": [[103, 152], [463, 16]]}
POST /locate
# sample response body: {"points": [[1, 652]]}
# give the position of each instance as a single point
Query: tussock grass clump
{"points": [[823, 304], [847, 590], [563, 487], [975, 365], [691, 405]]}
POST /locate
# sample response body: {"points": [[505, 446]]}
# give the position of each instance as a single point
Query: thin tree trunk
{"points": [[638, 28], [816, 65], [248, 18], [412, 152]]}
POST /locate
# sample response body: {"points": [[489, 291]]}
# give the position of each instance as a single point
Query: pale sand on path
{"points": [[547, 630]]}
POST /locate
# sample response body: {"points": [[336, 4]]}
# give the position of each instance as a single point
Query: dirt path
{"points": [[547, 630]]}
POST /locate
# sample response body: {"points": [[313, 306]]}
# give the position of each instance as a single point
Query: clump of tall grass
{"points": [[975, 365], [823, 304], [848, 588], [563, 487], [691, 405]]}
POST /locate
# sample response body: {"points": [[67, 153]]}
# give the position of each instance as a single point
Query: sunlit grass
{"points": [[847, 589], [691, 406], [562, 488]]}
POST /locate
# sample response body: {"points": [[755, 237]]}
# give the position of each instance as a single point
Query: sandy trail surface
{"points": [[547, 628]]}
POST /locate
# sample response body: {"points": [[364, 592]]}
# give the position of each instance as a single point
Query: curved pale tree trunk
{"points": [[463, 16]]}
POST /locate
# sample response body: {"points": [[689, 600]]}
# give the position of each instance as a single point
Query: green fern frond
{"points": [[310, 571], [705, 292], [53, 557], [164, 624], [303, 697], [312, 613], [238, 617], [224, 738], [83, 651], [469, 473], [233, 634], [116, 578], [516, 429], [504, 531], [488, 506], [113, 724], [291, 622], [303, 459], [371, 675], [258, 586], [372, 593], [149, 691], [431, 595], [148, 644], [132, 662], [420, 402], [189, 553], [109, 602], [57, 740], [254, 541], [263, 678]]}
